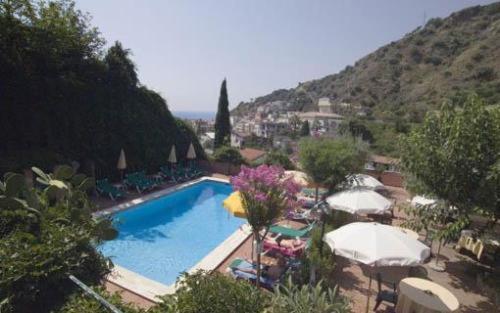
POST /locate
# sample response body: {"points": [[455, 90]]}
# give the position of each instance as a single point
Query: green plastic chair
{"points": [[105, 188]]}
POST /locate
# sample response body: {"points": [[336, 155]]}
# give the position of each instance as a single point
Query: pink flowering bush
{"points": [[266, 193]]}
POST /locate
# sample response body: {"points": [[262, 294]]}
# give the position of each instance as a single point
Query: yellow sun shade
{"points": [[234, 205]]}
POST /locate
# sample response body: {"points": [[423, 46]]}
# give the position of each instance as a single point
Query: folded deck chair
{"points": [[291, 232]]}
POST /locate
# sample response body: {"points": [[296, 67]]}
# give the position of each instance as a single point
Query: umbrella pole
{"points": [[369, 293]]}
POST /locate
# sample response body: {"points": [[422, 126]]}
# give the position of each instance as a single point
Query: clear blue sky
{"points": [[183, 49]]}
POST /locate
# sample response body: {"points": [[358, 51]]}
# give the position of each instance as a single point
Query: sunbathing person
{"points": [[293, 244]]}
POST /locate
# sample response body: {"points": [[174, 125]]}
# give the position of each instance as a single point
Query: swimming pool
{"points": [[161, 238]]}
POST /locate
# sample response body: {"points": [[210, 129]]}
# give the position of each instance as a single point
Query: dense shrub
{"points": [[213, 292], [279, 158], [47, 234], [434, 60], [304, 299], [485, 74], [228, 155], [80, 302], [416, 55]]}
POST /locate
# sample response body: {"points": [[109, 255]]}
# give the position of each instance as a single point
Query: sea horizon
{"points": [[194, 115]]}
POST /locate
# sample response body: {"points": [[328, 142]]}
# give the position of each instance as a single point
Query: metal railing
{"points": [[94, 294]]}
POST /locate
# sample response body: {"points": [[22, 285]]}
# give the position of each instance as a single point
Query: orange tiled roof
{"points": [[250, 154]]}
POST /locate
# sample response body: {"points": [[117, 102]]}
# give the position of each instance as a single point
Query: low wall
{"points": [[220, 167], [393, 179]]}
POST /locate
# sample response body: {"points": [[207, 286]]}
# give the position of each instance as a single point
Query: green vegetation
{"points": [[276, 157], [455, 156], [79, 302], [304, 129], [213, 292], [46, 234], [328, 162], [228, 154], [222, 123], [65, 98], [292, 298]]}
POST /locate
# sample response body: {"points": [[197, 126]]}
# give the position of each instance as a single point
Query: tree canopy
{"points": [[304, 129], [455, 156], [222, 123], [329, 161], [279, 158], [229, 155], [65, 98]]}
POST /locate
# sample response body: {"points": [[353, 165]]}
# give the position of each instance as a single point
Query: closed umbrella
{"points": [[363, 180], [191, 154], [234, 205], [172, 158], [122, 163], [359, 201], [376, 245]]}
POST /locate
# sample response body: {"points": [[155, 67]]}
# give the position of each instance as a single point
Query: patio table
{"points": [[417, 295]]}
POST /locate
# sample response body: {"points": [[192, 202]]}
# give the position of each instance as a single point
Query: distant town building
{"points": [[324, 105], [207, 141], [325, 122], [237, 139]]}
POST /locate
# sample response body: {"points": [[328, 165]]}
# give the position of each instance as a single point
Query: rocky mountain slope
{"points": [[407, 77]]}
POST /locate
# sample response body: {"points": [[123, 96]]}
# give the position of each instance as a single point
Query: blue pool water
{"points": [[161, 238]]}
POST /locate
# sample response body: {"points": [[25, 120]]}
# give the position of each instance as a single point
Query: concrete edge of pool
{"points": [[151, 289]]}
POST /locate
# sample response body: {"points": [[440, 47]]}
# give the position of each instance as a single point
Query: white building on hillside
{"points": [[324, 105], [327, 122]]}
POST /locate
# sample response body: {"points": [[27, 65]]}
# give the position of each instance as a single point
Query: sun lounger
{"points": [[291, 232], [244, 265], [242, 269], [167, 174], [105, 188], [140, 182]]}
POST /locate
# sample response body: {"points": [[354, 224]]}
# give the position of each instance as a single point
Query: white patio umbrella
{"points": [[299, 177], [376, 245], [172, 158], [359, 201], [363, 180], [191, 154], [122, 163]]}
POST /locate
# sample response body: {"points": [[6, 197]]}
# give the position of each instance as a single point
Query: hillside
{"points": [[406, 78]]}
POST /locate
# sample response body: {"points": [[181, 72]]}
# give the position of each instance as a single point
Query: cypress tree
{"points": [[304, 130], [222, 123]]}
